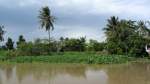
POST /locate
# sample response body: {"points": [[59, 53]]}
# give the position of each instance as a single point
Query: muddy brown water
{"points": [[137, 73]]}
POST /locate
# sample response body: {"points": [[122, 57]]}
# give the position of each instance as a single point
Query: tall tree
{"points": [[118, 33], [10, 44], [46, 20], [111, 31]]}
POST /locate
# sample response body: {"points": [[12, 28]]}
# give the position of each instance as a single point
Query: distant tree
{"points": [[94, 45], [62, 44], [74, 44], [9, 44], [46, 20], [2, 32], [61, 39], [37, 41], [21, 40], [143, 29], [82, 43]]}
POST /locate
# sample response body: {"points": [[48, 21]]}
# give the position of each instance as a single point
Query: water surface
{"points": [[74, 74]]}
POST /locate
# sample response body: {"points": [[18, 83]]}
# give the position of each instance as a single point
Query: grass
{"points": [[70, 57]]}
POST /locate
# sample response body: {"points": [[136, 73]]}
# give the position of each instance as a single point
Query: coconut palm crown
{"points": [[46, 20]]}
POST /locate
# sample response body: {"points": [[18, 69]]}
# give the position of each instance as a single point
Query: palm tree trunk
{"points": [[49, 38]]}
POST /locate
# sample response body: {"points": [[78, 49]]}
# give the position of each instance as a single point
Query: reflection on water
{"points": [[74, 74]]}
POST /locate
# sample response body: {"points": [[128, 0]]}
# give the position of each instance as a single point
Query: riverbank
{"points": [[70, 57]]}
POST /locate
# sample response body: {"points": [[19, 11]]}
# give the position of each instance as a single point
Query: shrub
{"points": [[12, 53]]}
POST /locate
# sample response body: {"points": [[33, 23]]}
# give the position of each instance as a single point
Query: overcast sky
{"points": [[75, 18]]}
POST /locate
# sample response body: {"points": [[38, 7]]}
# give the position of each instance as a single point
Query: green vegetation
{"points": [[125, 39], [70, 57]]}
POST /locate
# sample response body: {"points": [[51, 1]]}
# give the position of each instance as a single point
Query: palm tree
{"points": [[46, 20], [142, 29], [118, 33], [111, 27]]}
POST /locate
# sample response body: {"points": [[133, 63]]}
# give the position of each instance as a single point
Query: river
{"points": [[135, 73]]}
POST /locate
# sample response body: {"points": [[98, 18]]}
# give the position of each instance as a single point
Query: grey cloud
{"points": [[73, 17], [24, 20]]}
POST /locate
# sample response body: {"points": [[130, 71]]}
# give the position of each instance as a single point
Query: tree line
{"points": [[123, 37], [44, 47], [127, 36]]}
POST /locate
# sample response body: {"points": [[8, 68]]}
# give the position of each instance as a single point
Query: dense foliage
{"points": [[43, 47], [126, 36], [73, 44]]}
